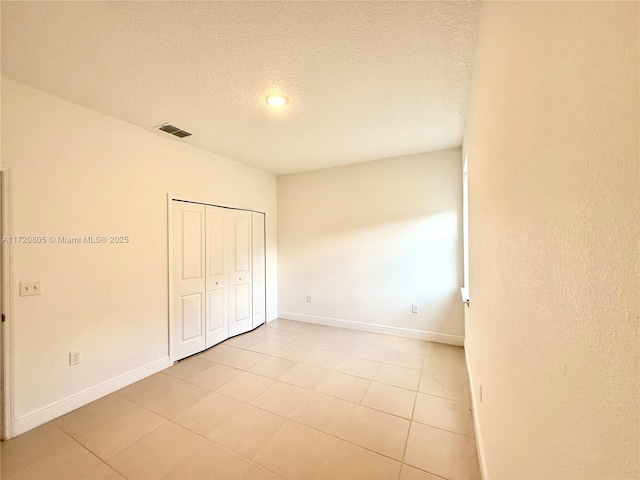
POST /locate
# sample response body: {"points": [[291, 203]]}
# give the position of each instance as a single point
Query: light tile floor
{"points": [[288, 400]]}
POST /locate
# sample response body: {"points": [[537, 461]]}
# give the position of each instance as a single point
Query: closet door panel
{"points": [[216, 310], [217, 317], [243, 302], [240, 301], [242, 241], [188, 279], [190, 315]]}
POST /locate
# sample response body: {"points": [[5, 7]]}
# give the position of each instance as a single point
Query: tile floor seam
{"points": [[269, 411], [383, 411], [91, 452], [443, 429], [365, 394], [214, 363], [396, 386], [426, 471], [132, 401], [440, 396], [160, 414], [120, 451], [315, 428], [72, 439], [251, 463], [446, 375], [251, 460], [324, 465], [208, 440], [406, 440], [349, 441], [262, 448], [116, 470], [415, 400]]}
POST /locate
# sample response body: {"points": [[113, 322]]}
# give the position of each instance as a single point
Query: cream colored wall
{"points": [[552, 328], [367, 241], [78, 172]]}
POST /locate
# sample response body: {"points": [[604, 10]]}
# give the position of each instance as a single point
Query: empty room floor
{"points": [[287, 400]]}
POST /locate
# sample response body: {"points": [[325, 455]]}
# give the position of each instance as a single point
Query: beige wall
{"points": [[552, 328], [367, 241], [78, 172]]}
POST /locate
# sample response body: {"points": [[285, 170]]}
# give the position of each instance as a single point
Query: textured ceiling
{"points": [[366, 80]]}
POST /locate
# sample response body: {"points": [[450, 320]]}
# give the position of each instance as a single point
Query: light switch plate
{"points": [[30, 288]]}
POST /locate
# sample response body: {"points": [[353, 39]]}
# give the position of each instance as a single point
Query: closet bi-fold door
{"points": [[258, 263], [240, 283], [188, 279], [216, 278]]}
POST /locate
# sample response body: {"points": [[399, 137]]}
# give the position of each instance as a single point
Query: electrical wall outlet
{"points": [[30, 288], [414, 308], [309, 298], [74, 357]]}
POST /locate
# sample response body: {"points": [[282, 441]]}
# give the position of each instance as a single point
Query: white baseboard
{"points": [[371, 327], [476, 423], [56, 409]]}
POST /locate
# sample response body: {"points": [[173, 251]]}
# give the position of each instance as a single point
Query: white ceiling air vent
{"points": [[173, 130]]}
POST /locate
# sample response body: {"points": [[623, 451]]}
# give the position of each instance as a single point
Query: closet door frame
{"points": [[171, 197]]}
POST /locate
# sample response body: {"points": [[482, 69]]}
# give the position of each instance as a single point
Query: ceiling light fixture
{"points": [[277, 100]]}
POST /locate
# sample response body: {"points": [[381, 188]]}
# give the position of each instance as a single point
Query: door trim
{"points": [[8, 419], [210, 202], [188, 199]]}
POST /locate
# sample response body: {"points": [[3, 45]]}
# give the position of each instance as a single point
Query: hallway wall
{"points": [[552, 327]]}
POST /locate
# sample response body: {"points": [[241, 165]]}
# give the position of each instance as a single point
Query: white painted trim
{"points": [[464, 292], [371, 327], [465, 230], [170, 344], [476, 422], [8, 420], [211, 202], [56, 409]]}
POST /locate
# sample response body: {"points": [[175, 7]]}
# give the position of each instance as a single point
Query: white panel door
{"points": [[188, 279], [216, 281], [239, 254], [258, 267]]}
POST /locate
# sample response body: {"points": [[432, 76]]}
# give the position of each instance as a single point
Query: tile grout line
{"points": [[72, 439], [415, 400]]}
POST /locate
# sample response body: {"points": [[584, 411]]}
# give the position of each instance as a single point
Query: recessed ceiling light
{"points": [[277, 100]]}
